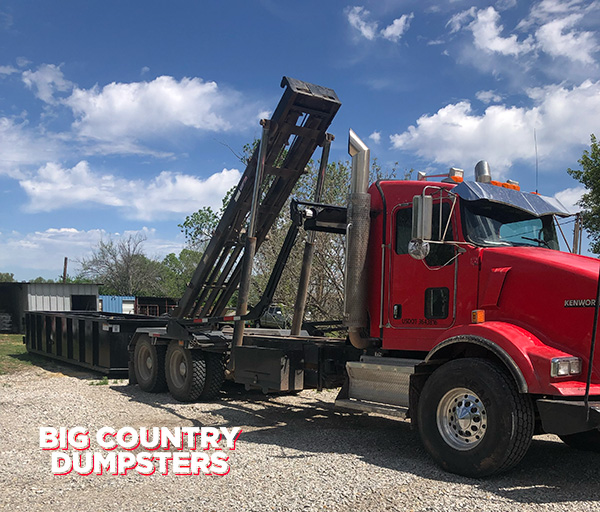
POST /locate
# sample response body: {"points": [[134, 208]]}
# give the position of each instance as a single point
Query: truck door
{"points": [[422, 293]]}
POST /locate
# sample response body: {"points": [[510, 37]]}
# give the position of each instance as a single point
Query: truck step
{"points": [[346, 404], [383, 380]]}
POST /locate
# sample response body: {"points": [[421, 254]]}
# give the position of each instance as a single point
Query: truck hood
{"points": [[549, 293]]}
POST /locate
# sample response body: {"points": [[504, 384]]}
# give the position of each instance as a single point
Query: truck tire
{"points": [[215, 375], [186, 372], [587, 441], [149, 365], [472, 419]]}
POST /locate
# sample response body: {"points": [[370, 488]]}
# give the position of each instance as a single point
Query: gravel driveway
{"points": [[294, 453]]}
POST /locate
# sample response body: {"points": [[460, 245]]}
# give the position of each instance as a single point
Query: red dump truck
{"points": [[462, 314]]}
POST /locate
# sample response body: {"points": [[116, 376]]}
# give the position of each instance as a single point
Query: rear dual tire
{"points": [[149, 365], [193, 374]]}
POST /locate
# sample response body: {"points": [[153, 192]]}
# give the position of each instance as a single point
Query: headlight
{"points": [[565, 366]]}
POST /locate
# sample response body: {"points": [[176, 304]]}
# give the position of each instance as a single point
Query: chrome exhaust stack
{"points": [[357, 241], [482, 172]]}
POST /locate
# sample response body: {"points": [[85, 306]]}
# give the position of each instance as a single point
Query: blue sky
{"points": [[122, 117]]}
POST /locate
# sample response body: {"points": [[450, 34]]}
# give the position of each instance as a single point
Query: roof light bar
{"points": [[482, 175]]}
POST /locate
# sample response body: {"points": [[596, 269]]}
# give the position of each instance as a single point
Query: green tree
{"points": [[122, 268], [78, 279], [177, 271], [589, 176], [198, 227], [70, 280], [7, 277], [326, 288], [43, 280]]}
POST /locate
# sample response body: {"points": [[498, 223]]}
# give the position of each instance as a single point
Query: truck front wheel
{"points": [[472, 420], [149, 365], [186, 372], [586, 441]]}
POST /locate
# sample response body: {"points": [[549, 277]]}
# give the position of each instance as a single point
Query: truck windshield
{"points": [[492, 225]]}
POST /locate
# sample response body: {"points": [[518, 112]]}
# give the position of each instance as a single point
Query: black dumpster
{"points": [[93, 340]]}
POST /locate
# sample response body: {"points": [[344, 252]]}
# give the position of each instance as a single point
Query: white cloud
{"points": [[165, 196], [456, 135], [139, 117], [548, 10], [460, 20], [380, 83], [47, 80], [42, 252], [398, 27], [6, 20], [488, 97], [54, 188], [7, 70], [553, 28], [357, 18], [21, 147], [487, 32], [22, 62], [172, 193], [143, 109], [29, 255], [375, 137], [569, 198], [503, 5], [555, 40]]}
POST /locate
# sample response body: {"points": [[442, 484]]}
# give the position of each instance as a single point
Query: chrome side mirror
{"points": [[418, 249], [422, 217], [422, 221]]}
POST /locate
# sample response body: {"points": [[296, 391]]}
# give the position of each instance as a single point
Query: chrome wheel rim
{"points": [[461, 419]]}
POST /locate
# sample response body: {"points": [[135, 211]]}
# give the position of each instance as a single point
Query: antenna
{"points": [[537, 167]]}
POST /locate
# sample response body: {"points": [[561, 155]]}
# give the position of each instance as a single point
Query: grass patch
{"points": [[14, 355], [102, 382]]}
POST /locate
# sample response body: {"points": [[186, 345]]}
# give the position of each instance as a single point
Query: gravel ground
{"points": [[294, 453]]}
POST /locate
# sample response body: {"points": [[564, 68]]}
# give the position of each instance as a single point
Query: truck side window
{"points": [[440, 254], [436, 302], [403, 230]]}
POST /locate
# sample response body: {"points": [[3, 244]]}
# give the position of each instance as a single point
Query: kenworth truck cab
{"points": [[478, 328]]}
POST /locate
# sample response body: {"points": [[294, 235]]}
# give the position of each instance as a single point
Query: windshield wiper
{"points": [[538, 240]]}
